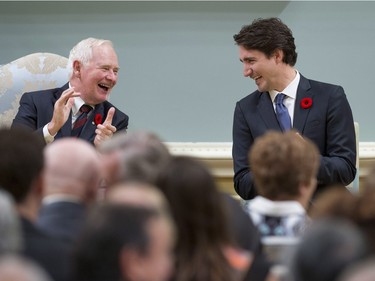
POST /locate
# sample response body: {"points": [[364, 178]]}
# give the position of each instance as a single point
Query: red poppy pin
{"points": [[306, 103], [98, 119]]}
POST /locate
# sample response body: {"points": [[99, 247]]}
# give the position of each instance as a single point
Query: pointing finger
{"points": [[110, 114]]}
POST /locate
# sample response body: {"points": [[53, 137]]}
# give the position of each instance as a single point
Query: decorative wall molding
{"points": [[203, 150], [223, 150], [218, 157]]}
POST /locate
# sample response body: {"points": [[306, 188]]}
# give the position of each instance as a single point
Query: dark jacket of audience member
{"points": [[21, 174]]}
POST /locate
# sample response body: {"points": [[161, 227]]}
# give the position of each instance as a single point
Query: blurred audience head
{"points": [[201, 218], [10, 235], [285, 166], [120, 242], [137, 194], [334, 202], [370, 179], [72, 169], [18, 268], [364, 216], [359, 208], [361, 271], [21, 163], [134, 156], [330, 246]]}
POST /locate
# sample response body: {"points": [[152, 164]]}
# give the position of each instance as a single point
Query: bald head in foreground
{"points": [[72, 178]]}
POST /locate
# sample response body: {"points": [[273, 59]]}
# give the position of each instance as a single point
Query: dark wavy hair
{"points": [[201, 219], [267, 36], [21, 161]]}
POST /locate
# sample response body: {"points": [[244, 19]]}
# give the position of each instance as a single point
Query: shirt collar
{"points": [[78, 102], [290, 90], [49, 199], [279, 208]]}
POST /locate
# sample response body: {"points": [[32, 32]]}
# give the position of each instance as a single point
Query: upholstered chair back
{"points": [[33, 72]]}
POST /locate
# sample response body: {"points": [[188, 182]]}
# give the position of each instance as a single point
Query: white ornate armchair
{"points": [[33, 72]]}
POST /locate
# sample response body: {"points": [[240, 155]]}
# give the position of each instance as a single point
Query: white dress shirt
{"points": [[291, 93]]}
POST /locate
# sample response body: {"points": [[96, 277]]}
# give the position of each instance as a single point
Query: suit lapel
{"points": [[267, 112], [301, 114], [66, 129]]}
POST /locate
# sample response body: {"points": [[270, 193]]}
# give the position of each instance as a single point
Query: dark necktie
{"points": [[282, 113], [81, 120]]}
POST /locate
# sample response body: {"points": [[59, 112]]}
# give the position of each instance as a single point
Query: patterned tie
{"points": [[81, 120], [282, 113]]}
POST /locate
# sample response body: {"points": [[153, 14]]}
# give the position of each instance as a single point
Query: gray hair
{"points": [[142, 154], [82, 52]]}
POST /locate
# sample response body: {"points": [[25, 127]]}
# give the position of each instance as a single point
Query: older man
{"points": [[79, 108]]}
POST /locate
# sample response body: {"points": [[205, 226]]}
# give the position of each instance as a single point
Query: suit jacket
{"points": [[62, 219], [36, 110], [328, 123], [50, 253]]}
